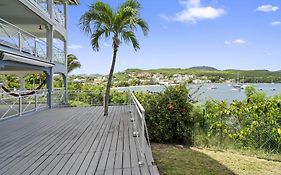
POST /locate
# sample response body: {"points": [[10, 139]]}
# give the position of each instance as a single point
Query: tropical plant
{"points": [[72, 63], [169, 115], [103, 21]]}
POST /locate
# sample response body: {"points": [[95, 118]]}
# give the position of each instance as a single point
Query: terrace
{"points": [[76, 141]]}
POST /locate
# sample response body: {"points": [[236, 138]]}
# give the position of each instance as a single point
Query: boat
{"points": [[239, 85], [244, 86]]}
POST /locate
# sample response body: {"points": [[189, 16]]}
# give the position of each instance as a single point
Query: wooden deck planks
{"points": [[72, 141]]}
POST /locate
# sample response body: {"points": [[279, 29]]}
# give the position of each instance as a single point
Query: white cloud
{"points": [[227, 42], [267, 8], [195, 12], [275, 23], [237, 41], [74, 46], [106, 45]]}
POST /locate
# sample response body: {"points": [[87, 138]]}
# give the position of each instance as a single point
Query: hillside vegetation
{"points": [[250, 76]]}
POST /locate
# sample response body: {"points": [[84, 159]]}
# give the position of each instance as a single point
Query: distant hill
{"points": [[250, 76], [204, 68]]}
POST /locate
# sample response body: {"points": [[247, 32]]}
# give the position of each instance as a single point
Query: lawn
{"points": [[172, 160]]}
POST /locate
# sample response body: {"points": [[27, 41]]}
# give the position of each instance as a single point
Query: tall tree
{"points": [[72, 63], [103, 21]]}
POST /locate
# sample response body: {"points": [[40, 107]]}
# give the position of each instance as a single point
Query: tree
{"points": [[103, 21], [72, 63]]}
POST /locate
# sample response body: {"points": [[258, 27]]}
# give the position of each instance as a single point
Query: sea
{"points": [[213, 91]]}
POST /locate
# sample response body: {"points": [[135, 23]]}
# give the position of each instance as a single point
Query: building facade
{"points": [[33, 39]]}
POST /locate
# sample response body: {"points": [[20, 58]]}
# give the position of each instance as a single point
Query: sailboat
{"points": [[238, 85]]}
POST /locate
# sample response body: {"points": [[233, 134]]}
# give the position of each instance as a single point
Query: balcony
{"points": [[16, 39], [58, 10]]}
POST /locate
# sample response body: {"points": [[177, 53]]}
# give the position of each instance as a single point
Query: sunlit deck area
{"points": [[73, 141]]}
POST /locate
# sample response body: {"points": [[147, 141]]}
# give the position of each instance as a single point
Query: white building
{"points": [[33, 39]]}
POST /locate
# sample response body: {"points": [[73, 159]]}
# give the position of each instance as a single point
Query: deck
{"points": [[72, 141]]}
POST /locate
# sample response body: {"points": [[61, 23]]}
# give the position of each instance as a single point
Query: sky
{"points": [[225, 34]]}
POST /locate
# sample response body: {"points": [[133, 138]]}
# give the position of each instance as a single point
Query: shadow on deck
{"points": [[72, 141]]}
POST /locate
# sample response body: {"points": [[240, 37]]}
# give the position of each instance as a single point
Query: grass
{"points": [[184, 161]]}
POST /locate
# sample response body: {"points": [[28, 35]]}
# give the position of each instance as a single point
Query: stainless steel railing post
{"points": [[20, 106]]}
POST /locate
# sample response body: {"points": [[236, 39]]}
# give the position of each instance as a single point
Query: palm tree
{"points": [[72, 63], [103, 21]]}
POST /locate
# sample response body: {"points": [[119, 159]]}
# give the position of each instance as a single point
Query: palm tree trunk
{"points": [[107, 91]]}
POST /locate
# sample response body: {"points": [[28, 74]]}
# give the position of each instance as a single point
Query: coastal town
{"points": [[144, 78]]}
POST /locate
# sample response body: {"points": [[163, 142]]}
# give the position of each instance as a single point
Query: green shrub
{"points": [[169, 115]]}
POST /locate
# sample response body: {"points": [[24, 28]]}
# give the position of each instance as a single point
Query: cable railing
{"points": [[59, 55], [59, 14], [42, 3], [18, 105], [58, 97], [57, 10], [139, 127], [85, 98], [15, 38]]}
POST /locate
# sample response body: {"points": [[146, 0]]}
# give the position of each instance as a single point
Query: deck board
{"points": [[72, 141]]}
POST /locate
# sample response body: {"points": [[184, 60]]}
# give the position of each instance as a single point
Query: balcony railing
{"points": [[18, 39], [59, 14], [18, 105], [42, 3], [59, 55], [57, 10], [15, 38]]}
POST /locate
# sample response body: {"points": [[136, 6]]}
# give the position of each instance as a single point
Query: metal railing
{"points": [[18, 105], [59, 55], [59, 14], [13, 37], [139, 126], [58, 97], [85, 98], [42, 3]]}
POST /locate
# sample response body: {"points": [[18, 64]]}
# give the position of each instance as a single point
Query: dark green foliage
{"points": [[169, 115]]}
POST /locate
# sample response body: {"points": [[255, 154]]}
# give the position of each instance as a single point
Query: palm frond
{"points": [[143, 25], [72, 63], [99, 15], [96, 36], [129, 36]]}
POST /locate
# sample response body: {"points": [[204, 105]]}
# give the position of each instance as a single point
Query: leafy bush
{"points": [[169, 115], [254, 122]]}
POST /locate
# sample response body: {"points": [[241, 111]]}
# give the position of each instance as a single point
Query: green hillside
{"points": [[251, 76]]}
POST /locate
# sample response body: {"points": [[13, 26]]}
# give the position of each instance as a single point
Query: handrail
{"points": [[139, 125], [137, 102]]}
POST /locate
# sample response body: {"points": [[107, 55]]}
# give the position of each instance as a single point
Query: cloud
{"points": [[227, 42], [74, 46], [195, 12], [237, 41], [267, 8], [275, 23], [106, 45]]}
